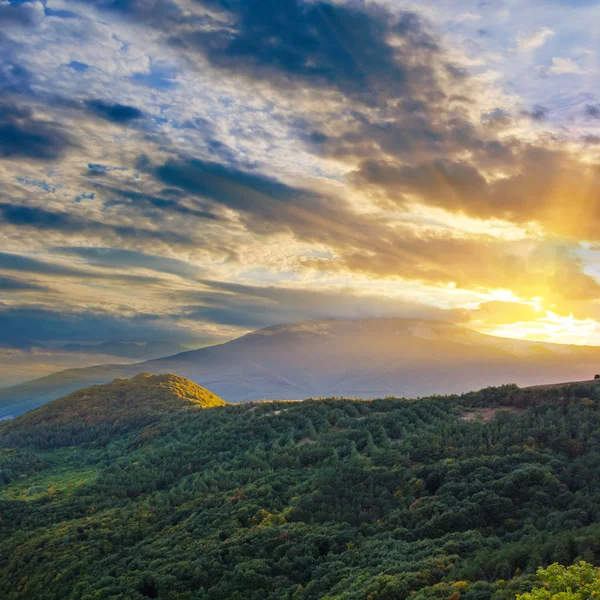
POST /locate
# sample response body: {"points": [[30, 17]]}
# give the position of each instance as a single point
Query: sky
{"points": [[184, 171]]}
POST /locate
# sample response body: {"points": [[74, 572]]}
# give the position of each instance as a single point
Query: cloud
{"points": [[270, 204], [261, 306], [116, 258], [339, 46], [20, 13], [158, 78], [26, 264], [166, 200], [292, 43], [368, 244], [117, 113], [537, 113], [158, 12], [497, 312], [24, 135], [564, 66], [535, 40], [11, 284], [536, 181], [448, 184], [592, 111], [320, 145], [26, 323], [38, 218]]}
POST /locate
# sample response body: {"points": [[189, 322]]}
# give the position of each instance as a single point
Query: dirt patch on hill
{"points": [[483, 415]]}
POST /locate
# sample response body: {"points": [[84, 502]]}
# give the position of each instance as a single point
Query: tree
{"points": [[577, 582]]}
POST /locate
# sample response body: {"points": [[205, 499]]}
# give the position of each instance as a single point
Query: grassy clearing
{"points": [[64, 472]]}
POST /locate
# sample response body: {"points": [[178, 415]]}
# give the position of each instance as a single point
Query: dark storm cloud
{"points": [[117, 113], [23, 135], [286, 43], [411, 132], [318, 43], [38, 218]]}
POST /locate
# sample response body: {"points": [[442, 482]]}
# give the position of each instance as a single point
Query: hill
{"points": [[363, 358], [455, 497], [112, 407]]}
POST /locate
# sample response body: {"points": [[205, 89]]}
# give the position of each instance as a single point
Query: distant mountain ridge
{"points": [[352, 358]]}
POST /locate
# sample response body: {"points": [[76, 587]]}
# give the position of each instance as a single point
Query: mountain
{"points": [[113, 402], [360, 358], [26, 362], [444, 498], [110, 408]]}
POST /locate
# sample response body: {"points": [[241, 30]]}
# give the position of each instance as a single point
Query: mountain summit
{"points": [[352, 358], [122, 400]]}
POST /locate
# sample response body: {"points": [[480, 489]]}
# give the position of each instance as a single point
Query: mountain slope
{"points": [[113, 407], [362, 358], [117, 400], [445, 498]]}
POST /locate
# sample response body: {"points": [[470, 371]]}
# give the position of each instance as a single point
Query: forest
{"points": [[454, 497]]}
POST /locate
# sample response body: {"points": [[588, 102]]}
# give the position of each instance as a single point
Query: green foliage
{"points": [[321, 499], [577, 582], [102, 411]]}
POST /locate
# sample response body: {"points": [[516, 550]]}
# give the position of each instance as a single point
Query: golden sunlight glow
{"points": [[550, 328], [436, 218]]}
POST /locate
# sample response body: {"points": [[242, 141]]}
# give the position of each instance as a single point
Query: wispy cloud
{"points": [[527, 42], [564, 66]]}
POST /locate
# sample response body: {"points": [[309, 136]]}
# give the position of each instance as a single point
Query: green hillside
{"points": [[108, 409], [459, 497]]}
